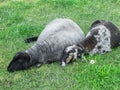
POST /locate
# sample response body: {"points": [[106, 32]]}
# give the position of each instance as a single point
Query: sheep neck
{"points": [[88, 43], [34, 54]]}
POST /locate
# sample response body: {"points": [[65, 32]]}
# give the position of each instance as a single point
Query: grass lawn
{"points": [[20, 19]]}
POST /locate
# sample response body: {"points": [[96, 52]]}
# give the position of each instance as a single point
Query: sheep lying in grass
{"points": [[100, 39], [50, 44]]}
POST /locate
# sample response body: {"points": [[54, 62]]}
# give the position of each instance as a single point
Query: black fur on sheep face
{"points": [[71, 53], [20, 61]]}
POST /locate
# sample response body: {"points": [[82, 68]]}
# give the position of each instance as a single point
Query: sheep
{"points": [[102, 37], [57, 35]]}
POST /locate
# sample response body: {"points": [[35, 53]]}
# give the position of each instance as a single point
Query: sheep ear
{"points": [[96, 22], [16, 57], [69, 59]]}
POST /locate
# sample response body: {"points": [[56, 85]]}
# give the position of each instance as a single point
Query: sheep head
{"points": [[71, 53], [20, 61]]}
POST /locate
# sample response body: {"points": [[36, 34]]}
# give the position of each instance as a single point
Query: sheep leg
{"points": [[62, 60], [63, 63]]}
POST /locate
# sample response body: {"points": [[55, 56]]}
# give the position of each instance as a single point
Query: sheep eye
{"points": [[72, 51], [20, 60]]}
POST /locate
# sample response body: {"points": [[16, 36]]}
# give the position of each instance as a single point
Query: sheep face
{"points": [[71, 53], [20, 61]]}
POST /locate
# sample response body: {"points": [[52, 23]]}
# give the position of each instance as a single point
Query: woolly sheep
{"points": [[50, 44], [103, 36]]}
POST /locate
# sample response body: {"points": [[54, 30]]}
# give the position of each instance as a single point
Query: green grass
{"points": [[20, 19]]}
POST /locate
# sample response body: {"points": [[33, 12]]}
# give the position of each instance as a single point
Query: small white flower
{"points": [[92, 61]]}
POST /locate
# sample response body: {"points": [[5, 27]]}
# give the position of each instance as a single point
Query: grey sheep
{"points": [[49, 47]]}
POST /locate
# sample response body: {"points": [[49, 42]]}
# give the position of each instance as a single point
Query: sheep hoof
{"points": [[63, 64], [38, 65]]}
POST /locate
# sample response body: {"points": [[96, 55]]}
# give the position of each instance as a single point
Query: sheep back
{"points": [[105, 36]]}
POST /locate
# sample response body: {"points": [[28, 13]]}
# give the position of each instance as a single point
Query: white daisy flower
{"points": [[92, 61]]}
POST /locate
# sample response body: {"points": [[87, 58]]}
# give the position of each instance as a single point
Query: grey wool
{"points": [[56, 36]]}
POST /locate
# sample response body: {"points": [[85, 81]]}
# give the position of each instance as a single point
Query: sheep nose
{"points": [[10, 70]]}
